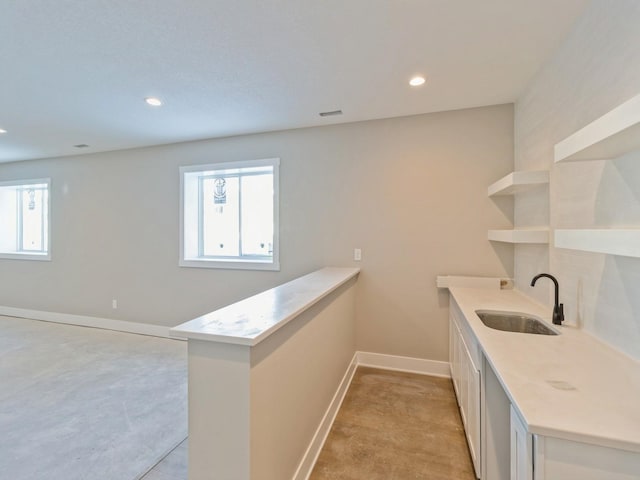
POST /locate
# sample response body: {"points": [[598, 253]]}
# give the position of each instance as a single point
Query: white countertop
{"points": [[250, 321], [569, 386]]}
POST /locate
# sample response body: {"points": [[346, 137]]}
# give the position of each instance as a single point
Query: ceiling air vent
{"points": [[331, 114], [81, 145]]}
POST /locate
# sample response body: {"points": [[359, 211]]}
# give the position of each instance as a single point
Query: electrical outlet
{"points": [[114, 304], [357, 254]]}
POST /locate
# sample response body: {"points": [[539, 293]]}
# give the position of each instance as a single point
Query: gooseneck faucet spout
{"points": [[558, 308]]}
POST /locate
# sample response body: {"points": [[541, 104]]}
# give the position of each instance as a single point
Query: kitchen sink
{"points": [[514, 322]]}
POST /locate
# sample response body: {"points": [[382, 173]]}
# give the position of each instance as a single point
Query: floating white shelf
{"points": [[615, 133], [624, 242], [520, 236], [518, 182]]}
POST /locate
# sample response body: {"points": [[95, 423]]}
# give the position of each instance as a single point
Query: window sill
{"points": [[42, 257], [230, 264]]}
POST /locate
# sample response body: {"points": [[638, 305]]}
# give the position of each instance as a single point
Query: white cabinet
{"points": [[454, 341], [465, 374], [473, 412], [559, 459], [504, 437], [521, 449], [536, 457]]}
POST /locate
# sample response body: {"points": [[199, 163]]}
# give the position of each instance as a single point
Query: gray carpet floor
{"points": [[80, 403]]}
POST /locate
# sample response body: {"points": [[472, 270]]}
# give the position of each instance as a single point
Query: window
{"points": [[230, 215], [24, 219]]}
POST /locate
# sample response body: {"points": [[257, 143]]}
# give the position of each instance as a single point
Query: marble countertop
{"points": [[250, 321], [569, 386]]}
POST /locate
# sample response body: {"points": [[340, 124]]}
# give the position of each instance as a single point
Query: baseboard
{"points": [[362, 359], [86, 321], [404, 364], [317, 442]]}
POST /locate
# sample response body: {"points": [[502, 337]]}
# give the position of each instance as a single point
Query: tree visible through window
{"points": [[229, 215]]}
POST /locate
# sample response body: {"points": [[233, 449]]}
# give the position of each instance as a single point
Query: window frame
{"points": [[29, 254], [234, 263]]}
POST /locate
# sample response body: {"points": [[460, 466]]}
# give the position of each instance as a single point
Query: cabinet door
{"points": [[453, 354], [463, 365], [466, 382], [455, 342], [521, 450], [473, 414]]}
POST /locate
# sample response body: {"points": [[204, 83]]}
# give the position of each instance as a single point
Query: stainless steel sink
{"points": [[514, 322]]}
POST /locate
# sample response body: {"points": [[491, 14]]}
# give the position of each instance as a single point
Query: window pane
{"points": [[33, 202], [220, 216], [257, 215], [24, 219], [228, 215], [8, 219]]}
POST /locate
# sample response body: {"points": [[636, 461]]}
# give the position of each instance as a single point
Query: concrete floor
{"points": [[82, 403], [396, 426], [79, 403], [391, 426], [171, 467]]}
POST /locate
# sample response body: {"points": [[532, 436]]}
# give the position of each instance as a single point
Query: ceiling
{"points": [[77, 71]]}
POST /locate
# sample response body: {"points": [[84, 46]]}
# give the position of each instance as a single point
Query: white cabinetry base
{"points": [[567, 460]]}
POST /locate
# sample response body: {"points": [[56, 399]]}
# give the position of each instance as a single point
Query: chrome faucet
{"points": [[558, 308]]}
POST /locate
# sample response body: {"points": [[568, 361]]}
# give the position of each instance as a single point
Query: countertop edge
{"points": [[282, 313]]}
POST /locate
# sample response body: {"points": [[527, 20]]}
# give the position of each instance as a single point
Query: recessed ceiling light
{"points": [[417, 81], [153, 101], [2, 130]]}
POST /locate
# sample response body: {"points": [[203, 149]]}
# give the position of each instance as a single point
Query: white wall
{"points": [[595, 69], [411, 192]]}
